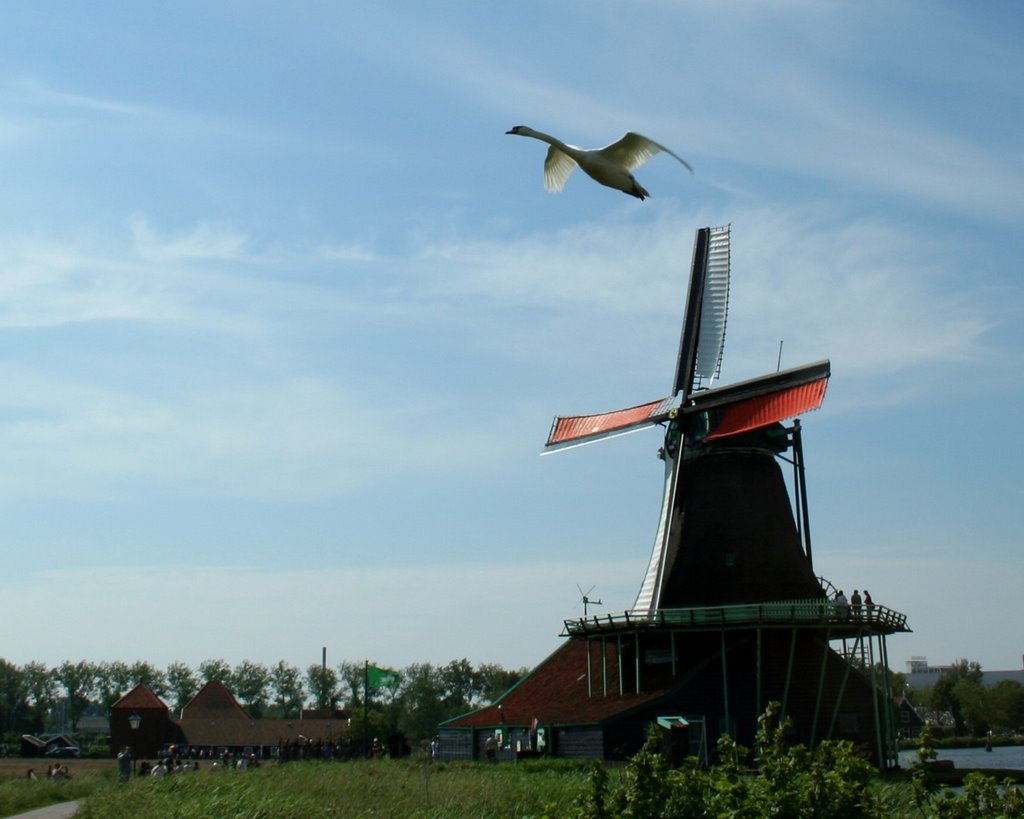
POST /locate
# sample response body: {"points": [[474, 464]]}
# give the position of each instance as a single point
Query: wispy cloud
{"points": [[204, 241], [256, 421], [821, 127], [874, 296], [30, 91]]}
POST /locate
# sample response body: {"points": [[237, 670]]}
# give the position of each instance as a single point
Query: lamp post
{"points": [[134, 721]]}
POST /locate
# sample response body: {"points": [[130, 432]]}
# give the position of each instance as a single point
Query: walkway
{"points": [[60, 810]]}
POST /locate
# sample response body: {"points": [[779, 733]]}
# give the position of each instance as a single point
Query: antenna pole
{"points": [[778, 364]]}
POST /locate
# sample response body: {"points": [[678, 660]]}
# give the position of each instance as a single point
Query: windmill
{"points": [[730, 614], [699, 419], [586, 600]]}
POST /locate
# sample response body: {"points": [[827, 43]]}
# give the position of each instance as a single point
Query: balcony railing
{"points": [[778, 613]]}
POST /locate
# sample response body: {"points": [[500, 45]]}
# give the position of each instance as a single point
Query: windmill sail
{"points": [[575, 430], [700, 349], [714, 308], [748, 405], [703, 335]]}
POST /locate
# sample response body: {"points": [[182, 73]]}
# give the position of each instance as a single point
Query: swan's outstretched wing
{"points": [[633, 150], [557, 167]]}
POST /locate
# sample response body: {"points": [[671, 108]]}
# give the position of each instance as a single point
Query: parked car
{"points": [[64, 751]]}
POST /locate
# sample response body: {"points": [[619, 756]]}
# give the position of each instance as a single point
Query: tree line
{"points": [[960, 704], [35, 698]]}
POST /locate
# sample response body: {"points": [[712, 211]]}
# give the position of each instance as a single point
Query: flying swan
{"points": [[610, 165]]}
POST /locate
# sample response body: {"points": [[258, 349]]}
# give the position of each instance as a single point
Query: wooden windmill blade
{"points": [[759, 402], [576, 430], [702, 339]]}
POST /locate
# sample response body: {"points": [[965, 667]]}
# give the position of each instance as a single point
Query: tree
{"points": [[113, 680], [288, 691], [182, 684], [78, 680], [1008, 705], [419, 706], [251, 684], [42, 693], [215, 670], [943, 697], [351, 678], [322, 684], [897, 681], [975, 706], [460, 684], [493, 681], [147, 674], [13, 697]]}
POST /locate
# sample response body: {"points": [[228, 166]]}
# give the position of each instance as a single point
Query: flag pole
{"points": [[366, 695]]}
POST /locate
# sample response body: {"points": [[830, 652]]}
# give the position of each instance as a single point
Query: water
{"points": [[1010, 756]]}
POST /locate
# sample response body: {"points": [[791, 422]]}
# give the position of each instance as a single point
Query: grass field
{"points": [[372, 788], [378, 788], [19, 794]]}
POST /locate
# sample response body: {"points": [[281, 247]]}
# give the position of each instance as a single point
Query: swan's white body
{"points": [[610, 165]]}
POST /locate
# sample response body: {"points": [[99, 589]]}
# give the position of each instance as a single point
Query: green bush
{"points": [[782, 780]]}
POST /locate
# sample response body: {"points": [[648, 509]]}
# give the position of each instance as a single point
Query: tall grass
{"points": [[378, 788], [18, 795]]}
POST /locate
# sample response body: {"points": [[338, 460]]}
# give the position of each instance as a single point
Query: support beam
{"points": [[757, 676], [789, 672], [590, 682], [725, 680], [874, 704], [636, 664], [857, 646], [821, 686], [604, 665], [622, 680]]}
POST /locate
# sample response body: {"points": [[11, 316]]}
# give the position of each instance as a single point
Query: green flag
{"points": [[377, 678]]}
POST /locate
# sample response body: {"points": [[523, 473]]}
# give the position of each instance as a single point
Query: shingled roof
{"points": [[556, 693], [214, 717], [214, 702], [140, 698]]}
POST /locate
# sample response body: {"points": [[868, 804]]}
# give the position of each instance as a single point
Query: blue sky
{"points": [[285, 315]]}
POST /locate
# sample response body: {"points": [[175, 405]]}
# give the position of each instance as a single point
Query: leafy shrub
{"points": [[778, 779]]}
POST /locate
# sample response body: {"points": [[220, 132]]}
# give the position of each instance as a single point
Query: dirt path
{"points": [[61, 810], [18, 766]]}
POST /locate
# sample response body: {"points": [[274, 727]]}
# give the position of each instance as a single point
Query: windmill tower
{"points": [[730, 614]]}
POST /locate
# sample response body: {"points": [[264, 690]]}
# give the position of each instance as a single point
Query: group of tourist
{"points": [[54, 771], [857, 605], [168, 763]]}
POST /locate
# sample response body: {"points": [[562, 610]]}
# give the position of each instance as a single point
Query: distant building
{"points": [[47, 745], [214, 721], [920, 675], [909, 721]]}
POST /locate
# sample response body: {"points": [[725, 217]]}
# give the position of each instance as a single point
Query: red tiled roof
{"points": [[232, 732], [556, 692], [214, 702], [140, 698], [214, 717]]}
